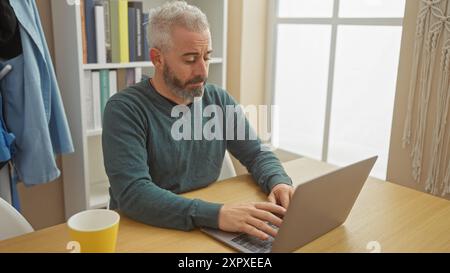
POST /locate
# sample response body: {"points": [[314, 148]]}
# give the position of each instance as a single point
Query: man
{"points": [[147, 167]]}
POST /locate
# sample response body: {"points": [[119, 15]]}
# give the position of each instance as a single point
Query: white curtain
{"points": [[431, 58]]}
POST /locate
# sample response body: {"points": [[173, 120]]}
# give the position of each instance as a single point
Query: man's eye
{"points": [[194, 60]]}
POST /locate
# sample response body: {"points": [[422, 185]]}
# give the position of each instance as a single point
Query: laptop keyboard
{"points": [[252, 243]]}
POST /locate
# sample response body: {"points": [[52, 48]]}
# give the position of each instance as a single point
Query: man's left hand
{"points": [[281, 194]]}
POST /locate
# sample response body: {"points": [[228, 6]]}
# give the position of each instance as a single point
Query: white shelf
{"points": [[116, 65], [132, 65], [94, 132], [99, 195]]}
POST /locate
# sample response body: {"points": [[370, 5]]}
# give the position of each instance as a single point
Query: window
{"points": [[335, 69]]}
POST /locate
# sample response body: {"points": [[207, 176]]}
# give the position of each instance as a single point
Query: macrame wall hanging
{"points": [[433, 30]]}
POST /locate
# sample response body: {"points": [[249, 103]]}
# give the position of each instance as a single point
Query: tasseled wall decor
{"points": [[433, 27]]}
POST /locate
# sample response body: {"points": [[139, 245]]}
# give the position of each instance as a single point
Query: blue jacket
{"points": [[6, 139], [34, 112]]}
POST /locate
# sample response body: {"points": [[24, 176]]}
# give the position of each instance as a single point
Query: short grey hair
{"points": [[163, 19]]}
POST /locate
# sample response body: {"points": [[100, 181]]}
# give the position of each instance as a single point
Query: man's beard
{"points": [[179, 89]]}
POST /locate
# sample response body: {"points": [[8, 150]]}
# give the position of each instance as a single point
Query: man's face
{"points": [[186, 63]]}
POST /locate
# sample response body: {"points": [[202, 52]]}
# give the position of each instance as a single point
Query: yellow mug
{"points": [[95, 230]]}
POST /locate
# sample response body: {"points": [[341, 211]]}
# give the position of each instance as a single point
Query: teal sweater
{"points": [[147, 167]]}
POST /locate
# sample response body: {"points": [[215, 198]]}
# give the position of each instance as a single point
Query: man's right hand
{"points": [[251, 218]]}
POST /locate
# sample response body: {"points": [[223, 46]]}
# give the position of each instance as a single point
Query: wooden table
{"points": [[398, 218]]}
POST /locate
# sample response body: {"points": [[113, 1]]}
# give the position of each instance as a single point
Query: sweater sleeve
{"points": [[136, 195], [264, 166]]}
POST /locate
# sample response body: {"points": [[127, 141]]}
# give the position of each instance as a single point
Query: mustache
{"points": [[197, 79]]}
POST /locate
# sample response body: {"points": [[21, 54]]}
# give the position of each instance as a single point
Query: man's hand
{"points": [[281, 194], [251, 218]]}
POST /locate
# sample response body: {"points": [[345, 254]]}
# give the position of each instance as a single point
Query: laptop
{"points": [[317, 207]]}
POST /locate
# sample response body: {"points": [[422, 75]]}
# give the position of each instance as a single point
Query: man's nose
{"points": [[201, 69]]}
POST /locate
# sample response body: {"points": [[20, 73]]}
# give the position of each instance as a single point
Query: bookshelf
{"points": [[132, 65], [85, 181]]}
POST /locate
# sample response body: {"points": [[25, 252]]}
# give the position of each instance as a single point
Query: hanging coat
{"points": [[34, 111]]}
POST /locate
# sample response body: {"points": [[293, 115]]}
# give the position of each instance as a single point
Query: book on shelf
{"points": [[146, 47], [139, 37], [104, 90], [130, 76], [83, 32], [121, 79], [132, 33], [103, 31], [119, 31], [107, 6], [88, 107], [120, 37], [99, 86], [136, 22], [137, 74], [91, 43], [100, 34], [112, 82], [95, 89]]}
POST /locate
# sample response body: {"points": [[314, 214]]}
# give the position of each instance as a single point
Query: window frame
{"points": [[273, 21]]}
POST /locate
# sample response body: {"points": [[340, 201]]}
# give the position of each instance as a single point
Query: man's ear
{"points": [[156, 57]]}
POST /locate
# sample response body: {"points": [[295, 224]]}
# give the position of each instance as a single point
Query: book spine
{"points": [[106, 5], [100, 34], [115, 45], [130, 78], [83, 32], [104, 89], [138, 6], [112, 82], [123, 31], [96, 99], [132, 33], [139, 44], [145, 20], [121, 79], [138, 74], [89, 13], [88, 101]]}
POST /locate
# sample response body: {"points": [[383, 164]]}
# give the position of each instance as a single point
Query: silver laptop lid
{"points": [[321, 205]]}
